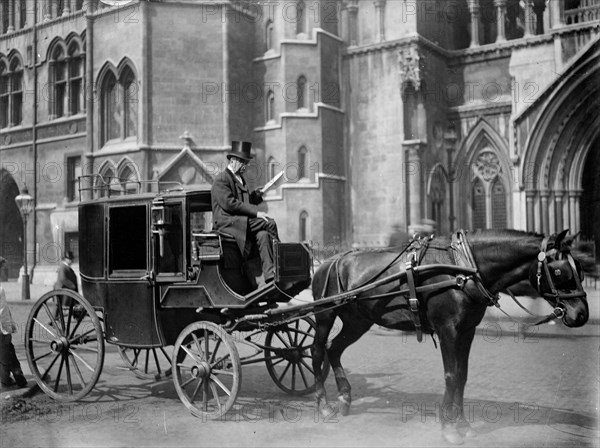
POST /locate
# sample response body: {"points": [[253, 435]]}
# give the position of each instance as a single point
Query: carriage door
{"points": [[168, 241]]}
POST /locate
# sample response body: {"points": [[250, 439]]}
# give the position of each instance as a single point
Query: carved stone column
{"points": [[380, 14], [53, 9], [73, 5], [500, 19], [66, 8], [529, 18], [352, 9], [474, 10], [558, 209], [11, 16], [413, 179], [450, 140], [545, 218], [530, 204], [538, 9]]}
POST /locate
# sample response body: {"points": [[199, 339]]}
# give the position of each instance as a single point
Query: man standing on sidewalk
{"points": [[9, 363]]}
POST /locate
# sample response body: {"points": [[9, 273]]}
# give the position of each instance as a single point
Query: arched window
{"points": [[11, 93], [111, 111], [107, 181], [4, 94], [301, 90], [479, 209], [270, 106], [23, 13], [128, 179], [499, 218], [304, 226], [410, 112], [75, 85], [269, 32], [66, 74], [58, 67], [272, 167], [302, 163], [16, 100], [300, 17], [119, 105], [131, 103]]}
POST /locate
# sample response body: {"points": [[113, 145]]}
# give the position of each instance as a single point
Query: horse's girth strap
{"points": [[413, 301]]}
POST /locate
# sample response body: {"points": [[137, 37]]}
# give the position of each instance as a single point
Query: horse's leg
{"points": [[463, 349], [325, 322], [448, 413], [351, 332]]}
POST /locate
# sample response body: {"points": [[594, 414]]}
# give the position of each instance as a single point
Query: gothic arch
{"points": [[438, 195], [556, 133], [483, 155]]}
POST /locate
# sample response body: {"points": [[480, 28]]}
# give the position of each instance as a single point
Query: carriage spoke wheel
{"points": [[288, 356], [147, 363], [64, 343], [206, 370]]}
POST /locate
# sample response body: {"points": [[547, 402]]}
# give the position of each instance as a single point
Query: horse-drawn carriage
{"points": [[169, 293]]}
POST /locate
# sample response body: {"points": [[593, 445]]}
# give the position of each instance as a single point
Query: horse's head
{"points": [[557, 277]]}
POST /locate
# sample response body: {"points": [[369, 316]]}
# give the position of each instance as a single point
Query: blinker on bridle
{"points": [[555, 294]]}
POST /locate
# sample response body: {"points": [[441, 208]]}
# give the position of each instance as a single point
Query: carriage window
{"points": [[127, 239]]}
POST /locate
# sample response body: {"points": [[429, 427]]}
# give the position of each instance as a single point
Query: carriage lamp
{"points": [[161, 217], [25, 203]]}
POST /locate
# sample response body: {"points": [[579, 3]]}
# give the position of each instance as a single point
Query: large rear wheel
{"points": [[64, 344], [206, 370], [288, 356]]}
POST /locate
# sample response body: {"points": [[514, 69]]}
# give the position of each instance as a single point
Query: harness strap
{"points": [[413, 301]]}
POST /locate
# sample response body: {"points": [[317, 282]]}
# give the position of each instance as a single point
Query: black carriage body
{"points": [[151, 263]]}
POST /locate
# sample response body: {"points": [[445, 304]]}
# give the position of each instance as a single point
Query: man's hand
{"points": [[263, 215]]}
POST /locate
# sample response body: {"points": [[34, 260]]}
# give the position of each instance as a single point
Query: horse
{"points": [[450, 305]]}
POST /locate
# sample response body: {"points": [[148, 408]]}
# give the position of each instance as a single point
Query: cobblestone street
{"points": [[524, 390]]}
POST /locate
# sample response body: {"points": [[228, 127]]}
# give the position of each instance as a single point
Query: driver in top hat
{"points": [[235, 209]]}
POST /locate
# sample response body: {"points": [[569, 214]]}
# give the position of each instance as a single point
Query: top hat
{"points": [[241, 150]]}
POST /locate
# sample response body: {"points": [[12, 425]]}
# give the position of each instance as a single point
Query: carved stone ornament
{"points": [[410, 71], [487, 166]]}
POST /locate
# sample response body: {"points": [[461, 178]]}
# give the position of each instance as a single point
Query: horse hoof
{"points": [[344, 405], [452, 437], [327, 412]]}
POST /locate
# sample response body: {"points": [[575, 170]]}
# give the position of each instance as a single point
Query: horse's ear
{"points": [[568, 241], [559, 238]]}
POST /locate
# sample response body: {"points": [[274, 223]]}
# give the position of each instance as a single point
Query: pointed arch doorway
{"points": [[590, 197]]}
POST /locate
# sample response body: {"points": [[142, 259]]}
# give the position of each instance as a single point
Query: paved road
{"points": [[522, 392]]}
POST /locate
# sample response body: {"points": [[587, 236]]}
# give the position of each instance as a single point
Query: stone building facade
{"points": [[473, 114]]}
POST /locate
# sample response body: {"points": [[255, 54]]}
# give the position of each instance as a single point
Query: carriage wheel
{"points": [[147, 363], [207, 369], [64, 344], [289, 356]]}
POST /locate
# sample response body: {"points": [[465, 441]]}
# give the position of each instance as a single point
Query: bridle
{"points": [[555, 297]]}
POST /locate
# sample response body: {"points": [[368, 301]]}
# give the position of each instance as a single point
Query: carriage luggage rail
{"points": [[107, 186]]}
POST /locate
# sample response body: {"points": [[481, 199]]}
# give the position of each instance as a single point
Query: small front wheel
{"points": [[206, 370], [147, 363], [64, 344]]}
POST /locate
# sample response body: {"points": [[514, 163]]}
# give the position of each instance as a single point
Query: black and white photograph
{"points": [[300, 223]]}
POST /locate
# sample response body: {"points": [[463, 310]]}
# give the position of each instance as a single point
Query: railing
{"points": [[107, 186], [588, 11]]}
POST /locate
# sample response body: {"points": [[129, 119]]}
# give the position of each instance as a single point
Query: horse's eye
{"points": [[557, 272]]}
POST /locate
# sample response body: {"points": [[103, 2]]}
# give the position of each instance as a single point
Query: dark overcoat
{"points": [[232, 205], [66, 277]]}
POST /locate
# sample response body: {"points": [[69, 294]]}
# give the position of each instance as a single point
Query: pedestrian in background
{"points": [[9, 363], [66, 278]]}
